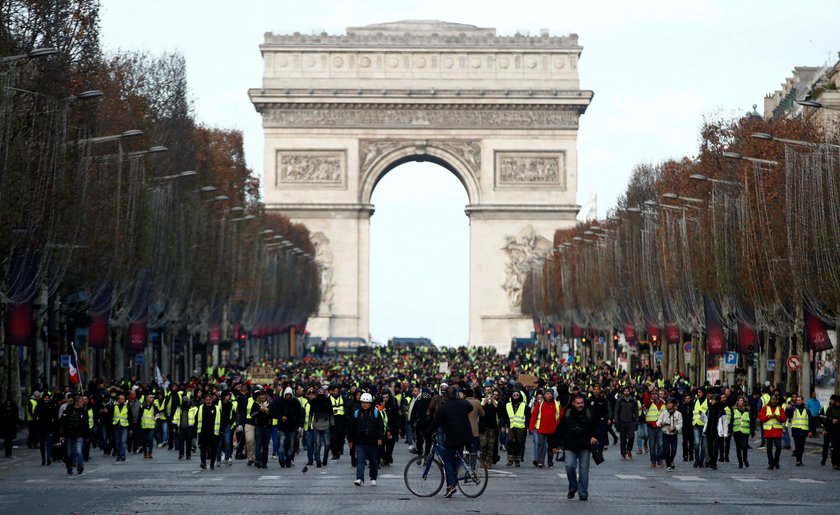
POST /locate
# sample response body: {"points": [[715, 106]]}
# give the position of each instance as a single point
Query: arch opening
{"points": [[419, 253]]}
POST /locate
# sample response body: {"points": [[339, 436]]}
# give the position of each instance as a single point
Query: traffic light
{"points": [[615, 339], [583, 340], [548, 332], [243, 336], [654, 340]]}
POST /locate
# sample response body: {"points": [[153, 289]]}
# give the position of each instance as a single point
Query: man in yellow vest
{"points": [[120, 423], [699, 415], [186, 426], [32, 436], [340, 408], [773, 419], [517, 413], [741, 428], [148, 418], [653, 409], [802, 426], [208, 427]]}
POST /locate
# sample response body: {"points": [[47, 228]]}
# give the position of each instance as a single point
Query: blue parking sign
{"points": [[731, 358]]}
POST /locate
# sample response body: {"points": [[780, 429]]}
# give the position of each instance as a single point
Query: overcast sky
{"points": [[657, 68]]}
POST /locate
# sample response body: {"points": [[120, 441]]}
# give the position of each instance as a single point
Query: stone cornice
{"points": [[259, 95]]}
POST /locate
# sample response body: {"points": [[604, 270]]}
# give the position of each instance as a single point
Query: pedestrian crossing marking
{"points": [[689, 478], [269, 478], [809, 481], [503, 472], [97, 480], [745, 479], [562, 475], [629, 476], [389, 476], [36, 480]]}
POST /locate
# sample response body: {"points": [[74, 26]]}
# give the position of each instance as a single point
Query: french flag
{"points": [[74, 365]]}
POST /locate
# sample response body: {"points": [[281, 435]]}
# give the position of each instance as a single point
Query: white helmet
{"points": [[366, 397]]}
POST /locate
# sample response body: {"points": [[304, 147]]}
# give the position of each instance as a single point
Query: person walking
{"points": [[321, 423], [544, 419], [224, 454], [488, 428], [772, 418], [715, 429], [801, 427], [671, 423], [148, 415], [826, 429], [698, 420], [340, 407], [366, 431], [626, 418], [653, 408], [475, 414], [831, 423], [577, 430], [120, 425], [8, 425], [74, 427], [261, 419], [687, 429], [208, 428], [287, 412], [741, 424], [46, 418]]}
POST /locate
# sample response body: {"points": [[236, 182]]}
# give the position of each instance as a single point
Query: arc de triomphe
{"points": [[501, 113]]}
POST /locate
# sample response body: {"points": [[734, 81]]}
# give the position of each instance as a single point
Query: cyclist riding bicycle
{"points": [[453, 417]]}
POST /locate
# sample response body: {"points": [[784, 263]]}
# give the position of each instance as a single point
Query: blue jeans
{"points": [[542, 449], [74, 449], [577, 471], [120, 439], [320, 440], [149, 440], [409, 434], [786, 437], [448, 455], [274, 439], [262, 434], [655, 443], [371, 454], [699, 445], [163, 436], [225, 443], [536, 437], [286, 448], [641, 437]]}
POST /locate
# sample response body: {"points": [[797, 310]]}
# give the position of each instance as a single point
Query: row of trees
{"points": [[742, 239], [118, 210]]}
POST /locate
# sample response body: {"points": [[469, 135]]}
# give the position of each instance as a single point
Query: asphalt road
{"points": [[166, 485]]}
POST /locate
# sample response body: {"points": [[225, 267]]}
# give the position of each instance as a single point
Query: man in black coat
{"points": [[74, 427], [365, 435], [453, 416], [577, 429]]}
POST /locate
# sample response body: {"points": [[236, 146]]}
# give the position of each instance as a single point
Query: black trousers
{"points": [[185, 441], [208, 442], [7, 444], [773, 455], [835, 447], [799, 437], [337, 436], [688, 443], [627, 431], [724, 447], [742, 444], [714, 443]]}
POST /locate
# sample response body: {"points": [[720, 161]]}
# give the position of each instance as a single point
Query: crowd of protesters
{"points": [[319, 409]]}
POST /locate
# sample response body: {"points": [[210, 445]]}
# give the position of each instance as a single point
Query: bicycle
{"points": [[424, 475]]}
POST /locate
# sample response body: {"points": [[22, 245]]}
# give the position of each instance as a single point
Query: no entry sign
{"points": [[793, 363]]}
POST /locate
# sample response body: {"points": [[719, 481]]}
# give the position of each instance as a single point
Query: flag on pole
{"points": [[159, 378], [74, 365]]}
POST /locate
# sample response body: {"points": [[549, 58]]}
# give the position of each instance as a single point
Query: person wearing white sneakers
{"points": [[366, 433]]}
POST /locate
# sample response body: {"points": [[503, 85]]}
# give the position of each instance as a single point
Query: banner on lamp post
{"points": [[137, 336], [715, 337], [816, 332]]}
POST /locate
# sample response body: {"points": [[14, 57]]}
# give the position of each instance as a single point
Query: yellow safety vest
{"points": [[765, 399], [248, 410], [699, 409], [233, 412], [337, 405], [741, 421], [121, 415], [217, 424], [539, 413], [147, 420], [652, 414], [90, 418], [773, 423], [517, 418], [800, 419], [160, 405], [305, 403], [191, 415], [31, 411]]}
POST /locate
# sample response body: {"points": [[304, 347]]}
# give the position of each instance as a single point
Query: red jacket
{"points": [[763, 417], [548, 415]]}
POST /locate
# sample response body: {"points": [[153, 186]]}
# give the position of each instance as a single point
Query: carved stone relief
{"points": [[311, 167], [324, 256], [522, 252], [468, 151], [518, 169], [379, 117]]}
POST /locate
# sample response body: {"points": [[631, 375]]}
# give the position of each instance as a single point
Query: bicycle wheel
{"points": [[471, 482], [423, 478]]}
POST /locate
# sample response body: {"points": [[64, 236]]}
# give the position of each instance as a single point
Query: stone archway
{"points": [[501, 113]]}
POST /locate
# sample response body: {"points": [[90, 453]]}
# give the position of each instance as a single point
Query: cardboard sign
{"points": [[261, 375], [444, 367], [527, 380]]}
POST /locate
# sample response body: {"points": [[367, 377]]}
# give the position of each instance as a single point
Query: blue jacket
{"points": [[813, 406]]}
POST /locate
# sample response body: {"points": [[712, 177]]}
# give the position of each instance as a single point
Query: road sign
{"points": [[793, 363], [771, 364], [139, 359], [65, 361], [730, 359], [687, 347], [659, 355]]}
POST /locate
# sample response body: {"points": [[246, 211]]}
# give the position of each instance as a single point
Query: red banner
{"points": [[715, 337], [19, 324], [747, 337], [654, 333], [816, 332], [629, 332], [137, 336], [98, 332], [672, 333], [577, 331], [215, 334]]}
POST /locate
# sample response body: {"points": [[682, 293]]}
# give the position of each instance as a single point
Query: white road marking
{"points": [[689, 478], [629, 476], [97, 480], [269, 478], [746, 479], [562, 475], [37, 480], [503, 472], [809, 481]]}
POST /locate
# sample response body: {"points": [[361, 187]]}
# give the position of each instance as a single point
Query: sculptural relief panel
{"points": [[311, 168], [530, 169]]}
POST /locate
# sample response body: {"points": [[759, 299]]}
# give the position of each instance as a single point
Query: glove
{"points": [[239, 428]]}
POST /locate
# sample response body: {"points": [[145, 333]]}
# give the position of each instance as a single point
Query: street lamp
{"points": [[809, 144], [736, 155], [700, 177], [32, 54], [817, 105]]}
